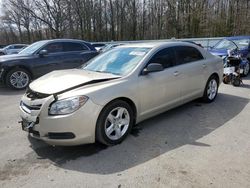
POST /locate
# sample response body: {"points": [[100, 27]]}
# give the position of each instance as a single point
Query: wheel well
{"points": [[19, 66], [216, 75], [130, 103]]}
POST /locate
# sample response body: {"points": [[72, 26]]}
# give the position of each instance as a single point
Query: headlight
{"points": [[67, 106]]}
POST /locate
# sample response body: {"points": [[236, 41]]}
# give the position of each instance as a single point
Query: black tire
{"points": [[16, 70], [205, 97], [101, 136], [236, 82], [245, 72]]}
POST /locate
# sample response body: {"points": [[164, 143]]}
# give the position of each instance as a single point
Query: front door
{"points": [[49, 62], [160, 91]]}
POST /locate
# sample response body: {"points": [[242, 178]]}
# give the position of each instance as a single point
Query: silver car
{"points": [[12, 49], [103, 99]]}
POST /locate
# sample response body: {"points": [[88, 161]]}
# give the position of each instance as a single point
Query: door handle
{"points": [[204, 65], [176, 73]]}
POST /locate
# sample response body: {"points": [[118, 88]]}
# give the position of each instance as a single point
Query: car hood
{"points": [[64, 80], [218, 52], [12, 57]]}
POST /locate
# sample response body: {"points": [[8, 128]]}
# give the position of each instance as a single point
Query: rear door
{"points": [[75, 54], [160, 90], [191, 67]]}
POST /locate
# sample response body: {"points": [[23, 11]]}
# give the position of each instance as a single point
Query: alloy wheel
{"points": [[19, 79], [117, 123], [212, 89]]}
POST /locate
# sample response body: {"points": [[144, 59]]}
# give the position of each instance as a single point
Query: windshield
{"points": [[33, 47], [107, 47], [119, 61], [110, 46], [229, 44], [7, 47]]}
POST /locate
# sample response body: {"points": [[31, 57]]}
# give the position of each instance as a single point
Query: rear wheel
{"points": [[18, 78], [114, 123], [211, 89], [246, 69], [236, 81]]}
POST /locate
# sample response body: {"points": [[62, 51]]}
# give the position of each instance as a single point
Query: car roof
{"points": [[64, 40], [17, 44], [237, 37], [156, 44], [71, 40]]}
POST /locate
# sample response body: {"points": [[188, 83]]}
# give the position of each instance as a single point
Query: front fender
{"points": [[6, 67]]}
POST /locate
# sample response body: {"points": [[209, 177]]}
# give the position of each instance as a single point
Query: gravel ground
{"points": [[195, 145]]}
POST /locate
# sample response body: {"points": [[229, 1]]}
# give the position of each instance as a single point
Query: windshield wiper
{"points": [[107, 72]]}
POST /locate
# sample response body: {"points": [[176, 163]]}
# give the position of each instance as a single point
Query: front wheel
{"points": [[114, 123], [18, 78], [211, 89]]}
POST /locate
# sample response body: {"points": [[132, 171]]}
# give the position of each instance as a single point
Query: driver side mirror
{"points": [[152, 67], [43, 53]]}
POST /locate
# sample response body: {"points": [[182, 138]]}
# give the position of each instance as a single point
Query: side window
{"points": [[18, 47], [73, 46], [165, 57], [54, 47], [186, 54]]}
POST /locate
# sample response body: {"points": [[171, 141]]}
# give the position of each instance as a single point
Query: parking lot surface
{"points": [[195, 145]]}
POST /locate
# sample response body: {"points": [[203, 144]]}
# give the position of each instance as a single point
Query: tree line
{"points": [[26, 21]]}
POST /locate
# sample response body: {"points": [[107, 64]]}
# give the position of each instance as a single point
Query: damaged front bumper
{"points": [[71, 129]]}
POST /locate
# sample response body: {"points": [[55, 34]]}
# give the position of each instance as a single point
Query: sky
{"points": [[1, 8]]}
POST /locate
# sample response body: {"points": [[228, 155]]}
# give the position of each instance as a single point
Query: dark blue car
{"points": [[16, 71], [241, 43]]}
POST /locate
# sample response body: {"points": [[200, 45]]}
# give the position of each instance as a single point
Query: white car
{"points": [[103, 100], [12, 49]]}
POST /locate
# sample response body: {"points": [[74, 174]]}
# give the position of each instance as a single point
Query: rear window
{"points": [[186, 54]]}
